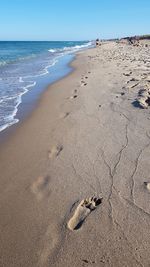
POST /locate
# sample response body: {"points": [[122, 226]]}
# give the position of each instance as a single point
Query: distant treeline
{"points": [[138, 37], [134, 38]]}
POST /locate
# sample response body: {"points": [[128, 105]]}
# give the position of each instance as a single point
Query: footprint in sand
{"points": [[147, 184], [142, 92], [85, 207], [64, 115], [134, 80], [144, 98], [127, 73], [132, 83], [50, 240], [41, 187], [83, 83], [74, 96], [55, 151]]}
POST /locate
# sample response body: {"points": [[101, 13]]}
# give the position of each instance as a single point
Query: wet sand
{"points": [[75, 175]]}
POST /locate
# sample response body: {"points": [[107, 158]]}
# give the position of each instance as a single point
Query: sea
{"points": [[27, 67]]}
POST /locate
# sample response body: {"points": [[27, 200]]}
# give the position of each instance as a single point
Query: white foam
{"points": [[45, 71], [70, 49], [3, 63], [77, 47], [52, 50], [10, 119], [14, 121]]}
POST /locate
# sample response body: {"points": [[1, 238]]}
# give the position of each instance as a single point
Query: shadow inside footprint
{"points": [[141, 92], [75, 96], [148, 101], [127, 73], [78, 225], [147, 185], [82, 211], [66, 115], [136, 104]]}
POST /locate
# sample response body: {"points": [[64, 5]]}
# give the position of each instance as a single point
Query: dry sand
{"points": [[75, 175]]}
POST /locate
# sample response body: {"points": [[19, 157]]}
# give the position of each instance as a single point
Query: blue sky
{"points": [[72, 19]]}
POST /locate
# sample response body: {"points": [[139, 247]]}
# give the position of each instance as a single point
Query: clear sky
{"points": [[72, 19]]}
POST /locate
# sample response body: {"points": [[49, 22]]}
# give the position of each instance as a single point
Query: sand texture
{"points": [[75, 174]]}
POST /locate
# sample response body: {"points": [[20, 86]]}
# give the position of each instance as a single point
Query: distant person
{"points": [[97, 41]]}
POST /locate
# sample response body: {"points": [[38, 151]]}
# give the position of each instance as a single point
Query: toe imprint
{"points": [[41, 187]]}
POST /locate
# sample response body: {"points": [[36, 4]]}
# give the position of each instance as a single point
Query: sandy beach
{"points": [[75, 174]]}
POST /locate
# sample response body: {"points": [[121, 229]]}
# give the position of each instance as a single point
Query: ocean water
{"points": [[22, 65]]}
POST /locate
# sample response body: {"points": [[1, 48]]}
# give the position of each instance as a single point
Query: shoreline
{"points": [[84, 139], [31, 99], [24, 113], [55, 66]]}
